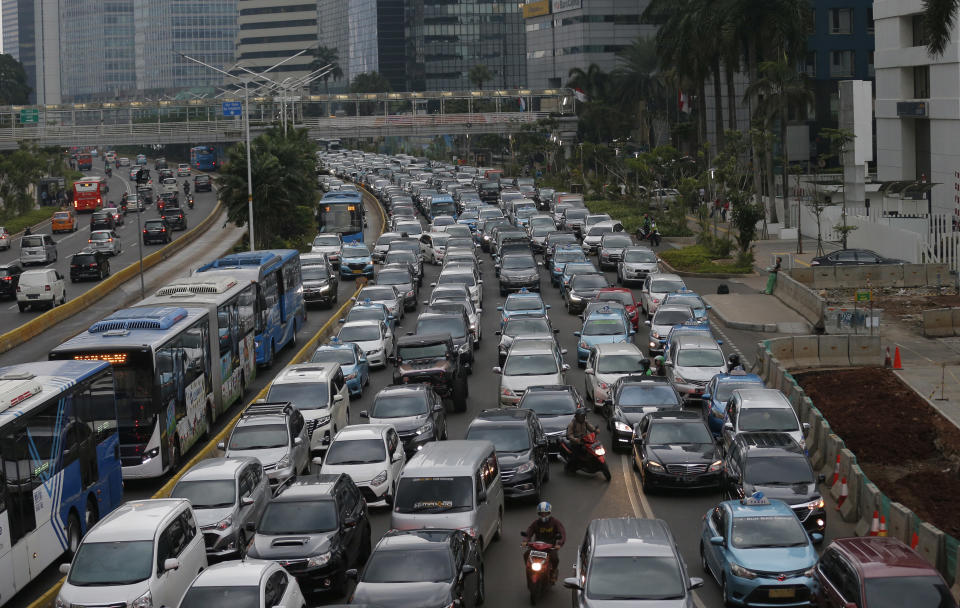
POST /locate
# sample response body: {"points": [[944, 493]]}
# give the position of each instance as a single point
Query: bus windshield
{"points": [[340, 217]]}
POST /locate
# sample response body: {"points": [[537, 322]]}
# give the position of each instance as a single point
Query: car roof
{"points": [[761, 397], [630, 536], [666, 275], [883, 557], [698, 342], [306, 372], [402, 388], [395, 540], [504, 415], [422, 339], [766, 443], [353, 432], [533, 346], [135, 520], [665, 306], [217, 468], [618, 348], [362, 323], [313, 487], [456, 456], [748, 507]]}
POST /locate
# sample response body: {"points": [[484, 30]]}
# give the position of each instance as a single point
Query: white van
{"points": [[320, 392], [451, 484], [43, 287], [37, 249], [144, 553]]}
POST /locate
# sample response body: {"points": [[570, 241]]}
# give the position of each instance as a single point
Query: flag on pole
{"points": [[523, 104], [580, 95], [683, 103]]}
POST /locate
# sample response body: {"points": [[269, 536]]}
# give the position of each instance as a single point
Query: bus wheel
{"points": [[74, 534]]}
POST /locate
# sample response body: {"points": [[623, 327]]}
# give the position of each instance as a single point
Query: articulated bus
{"points": [[58, 443], [164, 377], [280, 295], [342, 213], [89, 193], [203, 158], [234, 318]]}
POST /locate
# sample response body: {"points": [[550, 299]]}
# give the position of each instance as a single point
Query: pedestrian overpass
{"points": [[201, 120]]}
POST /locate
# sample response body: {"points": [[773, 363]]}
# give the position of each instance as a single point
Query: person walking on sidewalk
{"points": [[723, 212], [772, 279]]}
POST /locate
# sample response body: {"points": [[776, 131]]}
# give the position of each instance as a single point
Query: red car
{"points": [[625, 297], [868, 572]]}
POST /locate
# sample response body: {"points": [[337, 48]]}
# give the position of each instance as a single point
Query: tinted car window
{"points": [[299, 517], [408, 567]]}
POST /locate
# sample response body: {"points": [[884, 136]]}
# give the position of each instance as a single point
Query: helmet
{"points": [[734, 360], [644, 364], [659, 359], [580, 414], [543, 511]]}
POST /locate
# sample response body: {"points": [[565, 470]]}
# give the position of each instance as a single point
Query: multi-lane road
{"points": [[70, 243]]}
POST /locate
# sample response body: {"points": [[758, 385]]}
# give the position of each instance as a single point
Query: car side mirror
{"points": [[468, 569], [565, 367], [717, 540], [341, 320], [695, 583], [500, 308], [64, 568], [433, 284], [364, 414], [638, 439], [668, 363], [720, 342], [364, 360], [171, 563], [728, 426], [438, 407], [350, 522], [548, 307], [351, 574], [821, 478], [222, 446], [647, 322], [338, 398], [246, 501], [396, 458], [572, 583], [297, 440], [497, 370], [482, 496], [806, 428], [817, 538], [317, 460], [588, 371], [706, 396], [498, 333], [250, 526], [632, 332], [577, 333]]}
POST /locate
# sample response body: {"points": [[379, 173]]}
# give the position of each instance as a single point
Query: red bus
{"points": [[84, 161], [89, 192]]}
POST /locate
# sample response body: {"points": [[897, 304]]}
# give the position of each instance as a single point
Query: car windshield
{"points": [[569, 256], [671, 317], [617, 240], [546, 403], [31, 241], [505, 438], [523, 304], [393, 277], [460, 241], [604, 327], [433, 495], [622, 297], [619, 364], [387, 239], [598, 230], [457, 278], [588, 281], [259, 437], [635, 578], [298, 517], [639, 256], [366, 313], [400, 257], [116, 563], [725, 389], [653, 393], [427, 351], [778, 471], [207, 494], [377, 295], [668, 433], [425, 565], [575, 214], [524, 326], [768, 419], [100, 236], [235, 596], [356, 451], [530, 365], [303, 395], [516, 262], [359, 333], [315, 272], [692, 301], [665, 286], [542, 230], [769, 531], [343, 356], [399, 405], [442, 325], [898, 591], [700, 357], [356, 251]]}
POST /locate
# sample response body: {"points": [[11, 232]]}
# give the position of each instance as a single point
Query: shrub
{"points": [[697, 258]]}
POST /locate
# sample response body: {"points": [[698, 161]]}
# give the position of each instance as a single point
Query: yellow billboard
{"points": [[536, 9]]}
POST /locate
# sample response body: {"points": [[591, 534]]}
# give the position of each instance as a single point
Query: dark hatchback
{"points": [[521, 446], [555, 406], [422, 569], [175, 217], [102, 220], [675, 450], [156, 231], [632, 397], [202, 183], [317, 529], [89, 264], [320, 283], [9, 279]]}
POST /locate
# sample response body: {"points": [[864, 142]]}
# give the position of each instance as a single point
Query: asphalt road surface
{"points": [[70, 243]]}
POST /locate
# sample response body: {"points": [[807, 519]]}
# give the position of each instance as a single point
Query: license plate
{"points": [[781, 593], [540, 554], [686, 478], [33, 296], [357, 272]]}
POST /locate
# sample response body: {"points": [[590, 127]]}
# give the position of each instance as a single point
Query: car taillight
{"points": [[163, 230], [144, 230], [110, 240], [46, 288], [7, 278]]}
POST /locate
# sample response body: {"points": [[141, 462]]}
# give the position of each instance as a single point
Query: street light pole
{"points": [[246, 124]]}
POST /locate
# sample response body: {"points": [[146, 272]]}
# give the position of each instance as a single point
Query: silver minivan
{"points": [[452, 484], [37, 249]]}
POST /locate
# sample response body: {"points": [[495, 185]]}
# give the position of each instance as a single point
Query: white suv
{"points": [[372, 455], [43, 287], [319, 391]]}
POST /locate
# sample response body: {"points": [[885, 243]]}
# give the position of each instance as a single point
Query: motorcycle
{"points": [[190, 201], [186, 188], [541, 575], [109, 171], [652, 234], [590, 457]]}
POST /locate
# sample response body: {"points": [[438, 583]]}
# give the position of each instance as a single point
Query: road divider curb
{"points": [[38, 325]]}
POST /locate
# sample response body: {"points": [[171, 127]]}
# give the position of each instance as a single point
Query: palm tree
{"points": [[939, 17], [637, 82], [779, 90], [479, 74], [324, 56], [593, 81]]}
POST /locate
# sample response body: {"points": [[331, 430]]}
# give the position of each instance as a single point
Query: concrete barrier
{"points": [[782, 349], [849, 276], [900, 522], [800, 298], [865, 350], [825, 277], [832, 446], [762, 364], [804, 407], [914, 275], [870, 501], [802, 275], [932, 545], [834, 351], [821, 431], [938, 322], [806, 351], [891, 275], [937, 274], [850, 509], [796, 397], [771, 372], [955, 314]]}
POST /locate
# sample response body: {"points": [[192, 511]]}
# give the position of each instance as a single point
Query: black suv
{"points": [[9, 279], [202, 183], [175, 217], [434, 360], [774, 463], [167, 199], [631, 398], [453, 323], [320, 282], [522, 450], [102, 220], [489, 192], [317, 529], [146, 195], [518, 271], [156, 231], [89, 264]]}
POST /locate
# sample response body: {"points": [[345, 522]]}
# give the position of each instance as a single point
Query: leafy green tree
{"points": [[13, 82], [370, 82], [19, 172], [744, 216], [593, 81], [323, 56], [284, 188], [480, 74], [638, 83], [939, 17]]}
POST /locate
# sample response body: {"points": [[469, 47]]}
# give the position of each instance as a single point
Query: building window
{"points": [[869, 19], [808, 65], [920, 37], [870, 70], [840, 20], [841, 64], [921, 82]]}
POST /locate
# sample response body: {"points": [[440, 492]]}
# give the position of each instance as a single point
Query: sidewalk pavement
{"points": [[756, 312]]}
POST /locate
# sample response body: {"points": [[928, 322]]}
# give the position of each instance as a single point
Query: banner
{"points": [[538, 8]]}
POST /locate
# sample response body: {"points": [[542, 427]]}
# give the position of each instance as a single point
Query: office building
{"points": [[97, 50], [31, 33], [11, 27], [565, 34], [272, 30], [368, 36]]}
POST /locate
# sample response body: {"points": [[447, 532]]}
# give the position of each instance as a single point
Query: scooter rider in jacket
{"points": [[547, 529], [577, 428]]}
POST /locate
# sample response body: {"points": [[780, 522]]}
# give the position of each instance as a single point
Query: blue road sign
{"points": [[232, 108]]}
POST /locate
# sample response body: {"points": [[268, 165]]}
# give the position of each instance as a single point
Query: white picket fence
{"points": [[942, 244]]}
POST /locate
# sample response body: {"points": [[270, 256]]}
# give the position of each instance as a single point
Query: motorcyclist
{"points": [[645, 367], [733, 362], [645, 226], [577, 429], [186, 187], [547, 529], [661, 368]]}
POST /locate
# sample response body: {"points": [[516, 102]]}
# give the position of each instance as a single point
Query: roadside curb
{"points": [[706, 275]]}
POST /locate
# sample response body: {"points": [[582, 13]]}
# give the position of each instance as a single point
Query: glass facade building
{"points": [[11, 28], [272, 30], [368, 36], [98, 60]]}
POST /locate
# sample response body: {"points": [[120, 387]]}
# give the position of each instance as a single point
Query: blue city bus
{"points": [[163, 373], [342, 213], [442, 204], [58, 442], [203, 158], [282, 311]]}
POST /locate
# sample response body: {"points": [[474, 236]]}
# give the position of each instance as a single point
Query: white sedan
{"points": [[183, 170], [372, 337], [248, 583], [371, 454]]}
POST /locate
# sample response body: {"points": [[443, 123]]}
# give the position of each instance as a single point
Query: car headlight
{"points": [[738, 570], [525, 467], [622, 426], [144, 601], [284, 462], [679, 379], [318, 560], [411, 294], [380, 479], [655, 335], [225, 523], [351, 376], [811, 572], [575, 298], [653, 464], [583, 345], [322, 420], [463, 348], [426, 428], [61, 603], [506, 392], [325, 287], [716, 465], [149, 455]]}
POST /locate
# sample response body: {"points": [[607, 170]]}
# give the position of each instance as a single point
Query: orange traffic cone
{"points": [[843, 493], [887, 361], [875, 524], [914, 541], [896, 359], [836, 472], [883, 526]]}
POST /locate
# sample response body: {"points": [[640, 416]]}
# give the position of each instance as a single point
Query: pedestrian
{"points": [[723, 212], [44, 197], [772, 279]]}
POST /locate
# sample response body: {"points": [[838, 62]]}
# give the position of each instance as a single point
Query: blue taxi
{"points": [[685, 297], [718, 392], [523, 302], [604, 326], [370, 311], [562, 255], [759, 553], [355, 261], [356, 370]]}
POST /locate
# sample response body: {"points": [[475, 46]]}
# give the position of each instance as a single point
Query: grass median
{"points": [[696, 258], [31, 218]]}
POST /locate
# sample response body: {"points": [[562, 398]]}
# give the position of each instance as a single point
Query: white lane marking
{"points": [[628, 479], [715, 325]]}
